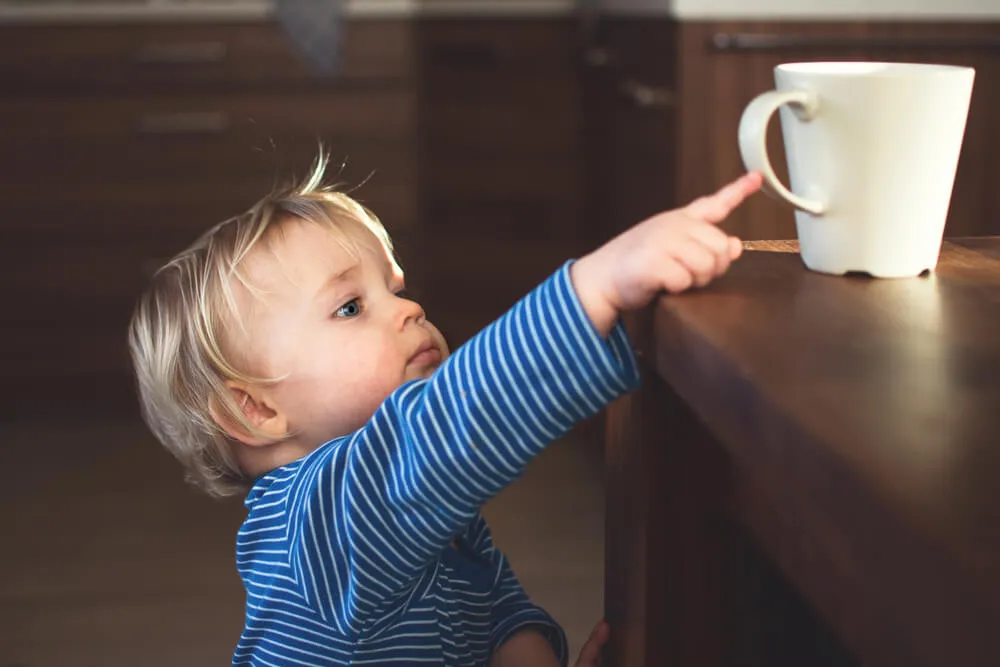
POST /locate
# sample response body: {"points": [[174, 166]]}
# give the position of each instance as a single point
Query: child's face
{"points": [[334, 328]]}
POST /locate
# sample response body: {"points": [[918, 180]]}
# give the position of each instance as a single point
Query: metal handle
{"points": [[723, 41], [649, 97], [180, 53], [197, 122], [600, 58], [644, 95]]}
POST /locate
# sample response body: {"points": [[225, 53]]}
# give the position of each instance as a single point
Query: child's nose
{"points": [[410, 310]]}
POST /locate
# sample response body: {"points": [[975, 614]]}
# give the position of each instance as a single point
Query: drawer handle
{"points": [[642, 95], [724, 41], [198, 122], [646, 96], [180, 53]]}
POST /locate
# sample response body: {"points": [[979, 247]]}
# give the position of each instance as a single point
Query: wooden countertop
{"points": [[153, 11], [863, 421]]}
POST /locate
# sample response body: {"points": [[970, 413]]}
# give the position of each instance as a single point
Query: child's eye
{"points": [[350, 309], [403, 294]]}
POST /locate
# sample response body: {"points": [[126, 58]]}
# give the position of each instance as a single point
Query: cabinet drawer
{"points": [[170, 213], [101, 122], [488, 274], [468, 290], [64, 353], [535, 47], [203, 175], [500, 87], [504, 198], [67, 308], [94, 163], [149, 56], [522, 127]]}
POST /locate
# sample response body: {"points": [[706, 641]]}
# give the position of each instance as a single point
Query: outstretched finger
{"points": [[717, 207]]}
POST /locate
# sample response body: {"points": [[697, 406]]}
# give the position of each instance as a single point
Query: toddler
{"points": [[280, 358]]}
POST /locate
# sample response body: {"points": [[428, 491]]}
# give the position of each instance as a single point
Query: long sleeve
{"points": [[370, 512], [511, 610]]}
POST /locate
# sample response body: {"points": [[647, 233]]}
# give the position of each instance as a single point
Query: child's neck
{"points": [[257, 460]]}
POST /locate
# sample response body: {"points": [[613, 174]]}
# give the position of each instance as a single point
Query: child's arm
{"points": [[512, 613], [377, 509], [526, 648], [531, 649]]}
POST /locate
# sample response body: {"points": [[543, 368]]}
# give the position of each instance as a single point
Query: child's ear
{"points": [[270, 424]]}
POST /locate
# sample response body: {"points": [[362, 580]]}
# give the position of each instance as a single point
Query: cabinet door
{"points": [[632, 115], [724, 65], [500, 165], [102, 185], [153, 56], [133, 160]]}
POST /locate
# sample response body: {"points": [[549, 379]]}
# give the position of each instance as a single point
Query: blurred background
{"points": [[495, 139]]}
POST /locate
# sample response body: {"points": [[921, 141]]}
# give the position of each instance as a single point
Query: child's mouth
{"points": [[426, 356]]}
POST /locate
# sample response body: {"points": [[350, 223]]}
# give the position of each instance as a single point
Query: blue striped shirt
{"points": [[371, 549]]}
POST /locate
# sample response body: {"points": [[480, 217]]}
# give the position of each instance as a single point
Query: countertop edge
{"points": [[260, 10]]}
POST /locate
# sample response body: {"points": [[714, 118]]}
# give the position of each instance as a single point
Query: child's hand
{"points": [[590, 654], [671, 252]]}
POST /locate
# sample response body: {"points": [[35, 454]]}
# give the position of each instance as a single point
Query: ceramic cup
{"points": [[872, 150]]}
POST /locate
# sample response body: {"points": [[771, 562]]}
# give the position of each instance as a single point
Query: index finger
{"points": [[717, 207]]}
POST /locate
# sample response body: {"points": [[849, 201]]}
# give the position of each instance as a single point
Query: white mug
{"points": [[872, 151]]}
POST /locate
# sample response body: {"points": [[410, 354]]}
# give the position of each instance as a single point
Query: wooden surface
{"points": [[501, 168], [123, 143], [851, 428], [214, 56], [631, 148]]}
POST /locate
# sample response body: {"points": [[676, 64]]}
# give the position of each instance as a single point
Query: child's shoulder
{"points": [[288, 478]]}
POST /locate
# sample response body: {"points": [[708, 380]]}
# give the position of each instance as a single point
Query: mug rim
{"points": [[846, 68]]}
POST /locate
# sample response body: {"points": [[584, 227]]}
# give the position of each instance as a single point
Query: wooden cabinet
{"points": [[500, 163], [704, 74], [632, 124], [474, 139], [120, 144]]}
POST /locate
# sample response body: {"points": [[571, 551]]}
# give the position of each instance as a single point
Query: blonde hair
{"points": [[176, 336]]}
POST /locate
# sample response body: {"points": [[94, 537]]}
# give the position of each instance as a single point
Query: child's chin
{"points": [[427, 371], [421, 373]]}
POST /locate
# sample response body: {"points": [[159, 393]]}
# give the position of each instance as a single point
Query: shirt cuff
{"points": [[613, 355], [533, 618]]}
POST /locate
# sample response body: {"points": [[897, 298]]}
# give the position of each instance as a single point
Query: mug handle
{"points": [[753, 140]]}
